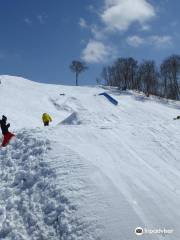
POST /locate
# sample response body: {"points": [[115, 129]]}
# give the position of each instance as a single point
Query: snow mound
{"points": [[72, 119], [102, 172]]}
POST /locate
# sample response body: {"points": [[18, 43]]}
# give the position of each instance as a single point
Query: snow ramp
{"points": [[72, 119]]}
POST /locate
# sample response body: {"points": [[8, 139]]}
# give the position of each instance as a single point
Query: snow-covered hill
{"points": [[98, 172]]}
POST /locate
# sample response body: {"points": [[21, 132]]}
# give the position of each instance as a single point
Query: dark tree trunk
{"points": [[76, 79]]}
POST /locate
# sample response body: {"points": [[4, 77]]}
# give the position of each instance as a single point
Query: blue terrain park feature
{"points": [[111, 99]]}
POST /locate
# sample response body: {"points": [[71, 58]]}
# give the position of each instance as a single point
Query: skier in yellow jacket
{"points": [[46, 119]]}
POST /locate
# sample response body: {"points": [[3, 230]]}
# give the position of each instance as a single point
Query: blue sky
{"points": [[40, 38]]}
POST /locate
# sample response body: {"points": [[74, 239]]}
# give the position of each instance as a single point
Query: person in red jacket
{"points": [[5, 131]]}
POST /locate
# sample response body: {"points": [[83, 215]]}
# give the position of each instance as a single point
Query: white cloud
{"points": [[42, 18], [96, 52], [82, 41], [97, 32], [91, 8], [28, 21], [120, 14], [82, 23], [145, 27], [155, 40], [135, 41], [161, 41]]}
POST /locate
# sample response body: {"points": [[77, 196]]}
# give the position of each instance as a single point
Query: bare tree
{"points": [[78, 67], [148, 76], [122, 73], [133, 68], [126, 73], [105, 75], [108, 76], [165, 79], [170, 70], [98, 81]]}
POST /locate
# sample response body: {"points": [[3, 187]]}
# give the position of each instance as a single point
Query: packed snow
{"points": [[97, 172]]}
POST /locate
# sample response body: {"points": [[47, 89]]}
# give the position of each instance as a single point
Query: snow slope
{"points": [[98, 172]]}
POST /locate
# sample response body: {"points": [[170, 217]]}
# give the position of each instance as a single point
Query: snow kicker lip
{"points": [[72, 119]]}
